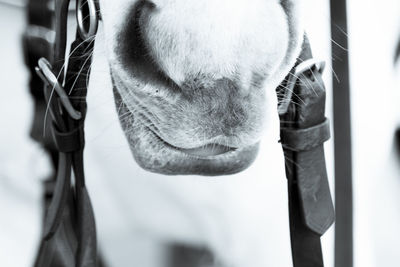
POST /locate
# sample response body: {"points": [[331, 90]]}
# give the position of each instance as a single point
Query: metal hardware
{"points": [[45, 72], [87, 18]]}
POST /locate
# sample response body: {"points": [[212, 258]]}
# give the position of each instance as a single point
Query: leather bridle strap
{"points": [[69, 237], [38, 42], [304, 129], [343, 136]]}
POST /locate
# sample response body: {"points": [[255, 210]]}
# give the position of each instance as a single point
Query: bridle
{"points": [[69, 219], [69, 236]]}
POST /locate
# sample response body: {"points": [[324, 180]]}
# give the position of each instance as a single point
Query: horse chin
{"points": [[155, 155]]}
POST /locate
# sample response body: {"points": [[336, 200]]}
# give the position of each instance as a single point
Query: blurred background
{"points": [[373, 48]]}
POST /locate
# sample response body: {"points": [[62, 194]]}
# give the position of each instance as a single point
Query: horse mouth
{"points": [[154, 154], [210, 159], [206, 151]]}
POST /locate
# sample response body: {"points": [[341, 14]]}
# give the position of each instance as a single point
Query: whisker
{"points": [[58, 77], [82, 68]]}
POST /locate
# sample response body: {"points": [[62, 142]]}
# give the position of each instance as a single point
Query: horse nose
{"points": [[160, 37]]}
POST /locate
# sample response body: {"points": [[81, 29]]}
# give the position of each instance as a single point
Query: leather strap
{"points": [[38, 41], [68, 141], [69, 236], [342, 133], [70, 224], [305, 139], [304, 128]]}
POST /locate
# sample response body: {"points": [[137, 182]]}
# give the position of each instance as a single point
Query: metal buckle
{"points": [[87, 9], [305, 66], [45, 72]]}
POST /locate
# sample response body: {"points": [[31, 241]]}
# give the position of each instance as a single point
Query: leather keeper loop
{"points": [[305, 139], [71, 141]]}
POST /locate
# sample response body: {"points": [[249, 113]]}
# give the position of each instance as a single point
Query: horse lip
{"points": [[208, 150], [203, 151]]}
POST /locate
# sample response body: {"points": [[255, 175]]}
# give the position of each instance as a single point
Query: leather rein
{"points": [[69, 235]]}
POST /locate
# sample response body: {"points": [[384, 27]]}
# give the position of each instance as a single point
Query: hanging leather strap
{"points": [[342, 133], [38, 42], [70, 233], [69, 236], [304, 129]]}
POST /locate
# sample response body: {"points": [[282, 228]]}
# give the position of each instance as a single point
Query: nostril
{"points": [[132, 45], [133, 50]]}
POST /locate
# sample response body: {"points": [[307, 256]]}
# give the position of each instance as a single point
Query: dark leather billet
{"points": [[302, 141], [304, 129]]}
